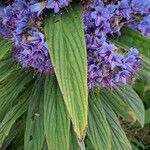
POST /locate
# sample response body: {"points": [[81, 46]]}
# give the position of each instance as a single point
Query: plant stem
{"points": [[81, 144]]}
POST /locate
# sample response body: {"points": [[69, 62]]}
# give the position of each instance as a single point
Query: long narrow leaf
{"points": [[131, 38], [6, 68], [73, 141], [12, 134], [10, 91], [18, 141], [119, 140], [118, 105], [98, 128], [56, 119], [13, 115], [130, 97], [144, 71], [65, 38], [5, 46], [34, 133]]}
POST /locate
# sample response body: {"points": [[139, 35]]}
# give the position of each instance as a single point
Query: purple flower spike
{"points": [[107, 67]]}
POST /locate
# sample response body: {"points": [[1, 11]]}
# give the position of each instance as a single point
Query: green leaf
{"points": [[147, 117], [73, 141], [134, 147], [118, 105], [89, 145], [56, 119], [6, 68], [119, 140], [146, 64], [139, 87], [98, 128], [65, 38], [11, 89], [146, 97], [18, 141], [34, 133], [5, 46], [12, 115], [132, 38], [12, 134], [144, 71], [45, 147], [130, 97]]}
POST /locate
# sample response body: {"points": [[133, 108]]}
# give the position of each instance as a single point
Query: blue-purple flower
{"points": [[57, 4], [37, 8], [141, 6], [144, 26], [33, 52], [124, 9], [15, 18], [107, 67], [100, 15], [122, 76]]}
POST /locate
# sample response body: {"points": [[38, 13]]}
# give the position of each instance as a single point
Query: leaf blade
{"points": [[5, 46], [130, 97], [98, 128], [118, 105], [132, 38], [9, 92], [56, 119], [11, 117], [34, 132], [118, 137], [68, 54]]}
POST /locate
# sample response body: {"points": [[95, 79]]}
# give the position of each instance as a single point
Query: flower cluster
{"points": [[21, 21], [15, 18], [33, 52], [141, 9], [108, 65]]}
